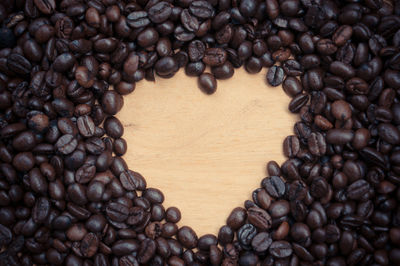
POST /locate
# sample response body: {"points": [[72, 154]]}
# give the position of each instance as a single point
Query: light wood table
{"points": [[206, 153]]}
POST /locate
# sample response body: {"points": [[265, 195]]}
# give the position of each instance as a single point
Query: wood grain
{"points": [[206, 153]]}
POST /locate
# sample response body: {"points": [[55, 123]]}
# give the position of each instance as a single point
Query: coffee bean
{"points": [[259, 218], [188, 21], [236, 218], [245, 235], [201, 9], [275, 186], [166, 66], [131, 180], [112, 102], [19, 64], [41, 210], [316, 144], [280, 249], [89, 245], [275, 76], [339, 136], [7, 38], [5, 235], [45, 6], [215, 57], [195, 69], [66, 144], [196, 50], [160, 12], [298, 102], [357, 189], [389, 133], [86, 126], [207, 83], [187, 237]]}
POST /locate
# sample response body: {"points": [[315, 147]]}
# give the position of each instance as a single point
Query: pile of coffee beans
{"points": [[67, 196]]}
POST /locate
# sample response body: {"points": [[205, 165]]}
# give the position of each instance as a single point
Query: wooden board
{"points": [[206, 153]]}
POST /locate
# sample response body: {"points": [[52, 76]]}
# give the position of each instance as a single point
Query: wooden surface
{"points": [[206, 153]]}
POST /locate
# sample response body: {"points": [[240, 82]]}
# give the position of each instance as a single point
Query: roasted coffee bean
{"points": [[66, 144], [187, 237], [259, 218], [201, 9], [41, 210], [298, 102], [138, 19], [245, 235], [207, 83], [215, 57], [89, 245], [225, 71], [274, 185], [45, 6], [317, 144], [131, 180], [195, 69], [113, 127], [189, 21], [275, 76], [292, 86], [236, 218], [86, 126], [166, 66], [280, 249], [7, 38], [160, 12], [196, 50], [358, 189], [112, 102], [19, 64]]}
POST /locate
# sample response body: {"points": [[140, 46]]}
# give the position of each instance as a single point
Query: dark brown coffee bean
{"points": [[207, 83], [339, 136], [326, 47], [89, 245], [117, 212], [215, 57], [357, 189], [259, 218], [189, 21], [224, 71], [389, 133], [342, 35], [201, 9], [160, 12], [41, 210], [274, 185], [317, 144], [291, 146], [45, 6], [66, 144], [19, 64], [196, 50], [112, 102], [86, 126], [298, 102], [187, 237], [275, 76], [195, 69], [131, 180], [166, 66], [280, 249]]}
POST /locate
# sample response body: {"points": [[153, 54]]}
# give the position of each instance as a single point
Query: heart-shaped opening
{"points": [[206, 154]]}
